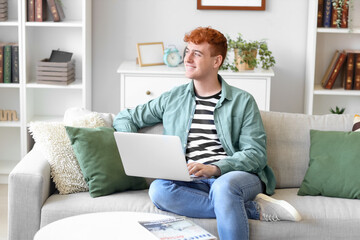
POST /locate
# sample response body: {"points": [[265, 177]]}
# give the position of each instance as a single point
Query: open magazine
{"points": [[176, 229]]}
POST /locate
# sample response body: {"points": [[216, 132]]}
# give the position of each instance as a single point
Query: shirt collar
{"points": [[225, 89]]}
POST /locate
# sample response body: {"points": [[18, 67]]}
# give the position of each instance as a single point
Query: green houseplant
{"points": [[248, 54], [337, 110]]}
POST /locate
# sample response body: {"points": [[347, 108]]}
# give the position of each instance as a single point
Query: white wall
{"points": [[119, 25]]}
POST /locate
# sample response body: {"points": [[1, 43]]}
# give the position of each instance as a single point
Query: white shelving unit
{"points": [[321, 45], [42, 102]]}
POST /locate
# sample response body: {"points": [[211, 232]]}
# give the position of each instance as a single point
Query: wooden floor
{"points": [[3, 211]]}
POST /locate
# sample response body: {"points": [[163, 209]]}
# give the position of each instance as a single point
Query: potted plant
{"points": [[337, 110], [246, 53]]}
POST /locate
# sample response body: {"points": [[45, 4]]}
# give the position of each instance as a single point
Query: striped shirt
{"points": [[203, 144]]}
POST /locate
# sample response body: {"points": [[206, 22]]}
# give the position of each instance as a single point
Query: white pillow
{"points": [[55, 145]]}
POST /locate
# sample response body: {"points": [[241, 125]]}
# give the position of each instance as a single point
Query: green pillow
{"points": [[99, 160], [334, 165]]}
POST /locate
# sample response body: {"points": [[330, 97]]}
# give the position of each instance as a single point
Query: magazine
{"points": [[176, 229]]}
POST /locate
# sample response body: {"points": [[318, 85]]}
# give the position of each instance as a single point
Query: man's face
{"points": [[199, 63]]}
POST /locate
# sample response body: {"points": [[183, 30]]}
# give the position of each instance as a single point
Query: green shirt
{"points": [[236, 117]]}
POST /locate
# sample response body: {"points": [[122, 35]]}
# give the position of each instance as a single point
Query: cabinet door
{"points": [[141, 89], [256, 87]]}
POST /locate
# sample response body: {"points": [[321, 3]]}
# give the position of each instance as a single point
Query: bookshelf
{"points": [[42, 102], [321, 45]]}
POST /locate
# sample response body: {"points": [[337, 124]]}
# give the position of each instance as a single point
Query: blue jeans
{"points": [[228, 198]]}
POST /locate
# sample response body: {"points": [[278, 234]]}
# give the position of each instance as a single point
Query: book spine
{"points": [[15, 64], [349, 71], [320, 13], [31, 10], [327, 13], [1, 64], [345, 15], [335, 72], [334, 14], [357, 72], [7, 64], [60, 9], [330, 68], [53, 10], [40, 10]]}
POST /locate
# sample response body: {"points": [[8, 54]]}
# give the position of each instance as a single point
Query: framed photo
{"points": [[150, 54], [231, 4]]}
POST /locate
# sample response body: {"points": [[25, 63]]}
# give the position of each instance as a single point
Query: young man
{"points": [[224, 140]]}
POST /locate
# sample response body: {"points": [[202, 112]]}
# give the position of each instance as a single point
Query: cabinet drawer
{"points": [[256, 87], [139, 90]]}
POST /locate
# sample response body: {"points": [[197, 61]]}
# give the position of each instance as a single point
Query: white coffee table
{"points": [[103, 225]]}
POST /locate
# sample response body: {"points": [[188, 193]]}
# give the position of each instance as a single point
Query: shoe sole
{"points": [[283, 204]]}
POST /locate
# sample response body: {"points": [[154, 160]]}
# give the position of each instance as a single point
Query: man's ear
{"points": [[218, 61]]}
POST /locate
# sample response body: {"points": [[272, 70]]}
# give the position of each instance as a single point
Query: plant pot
{"points": [[240, 64]]}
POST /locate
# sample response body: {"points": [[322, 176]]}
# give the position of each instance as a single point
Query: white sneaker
{"points": [[272, 210]]}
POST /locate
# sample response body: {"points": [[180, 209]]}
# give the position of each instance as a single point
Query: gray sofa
{"points": [[34, 203]]}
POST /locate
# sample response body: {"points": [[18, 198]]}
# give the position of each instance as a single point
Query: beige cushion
{"points": [[55, 145], [288, 142]]}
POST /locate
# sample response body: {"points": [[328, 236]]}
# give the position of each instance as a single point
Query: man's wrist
{"points": [[217, 171]]}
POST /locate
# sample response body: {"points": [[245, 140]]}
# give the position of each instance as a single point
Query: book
{"points": [[56, 78], [15, 63], [70, 71], [334, 14], [4, 10], [349, 71], [335, 72], [7, 63], [53, 10], [31, 10], [55, 82], [40, 10], [1, 63], [60, 10], [176, 229], [345, 14], [330, 68], [327, 13], [357, 72], [320, 13]]}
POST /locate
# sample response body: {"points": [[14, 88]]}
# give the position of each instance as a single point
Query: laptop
{"points": [[153, 156]]}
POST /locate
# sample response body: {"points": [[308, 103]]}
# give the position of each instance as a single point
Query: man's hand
{"points": [[202, 170]]}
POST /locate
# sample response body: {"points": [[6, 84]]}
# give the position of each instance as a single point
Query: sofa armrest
{"points": [[29, 187]]}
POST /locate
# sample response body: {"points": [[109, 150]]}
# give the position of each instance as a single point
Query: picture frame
{"points": [[150, 54], [258, 5]]}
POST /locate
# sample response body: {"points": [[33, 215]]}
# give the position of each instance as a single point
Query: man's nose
{"points": [[188, 57]]}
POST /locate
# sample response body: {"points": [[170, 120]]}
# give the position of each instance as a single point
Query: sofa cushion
{"points": [[356, 127], [51, 138], [100, 162], [288, 142], [334, 165], [322, 217]]}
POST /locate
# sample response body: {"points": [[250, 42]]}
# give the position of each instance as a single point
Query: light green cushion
{"points": [[334, 165], [99, 160]]}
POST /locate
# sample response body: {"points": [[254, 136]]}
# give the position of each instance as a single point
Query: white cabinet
{"points": [[33, 101], [321, 45], [141, 84]]}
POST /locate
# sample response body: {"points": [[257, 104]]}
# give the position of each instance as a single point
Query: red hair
{"points": [[213, 37]]}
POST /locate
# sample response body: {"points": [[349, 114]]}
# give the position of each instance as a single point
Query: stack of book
{"points": [[37, 10], [347, 62], [59, 73], [9, 63], [333, 13], [3, 10]]}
